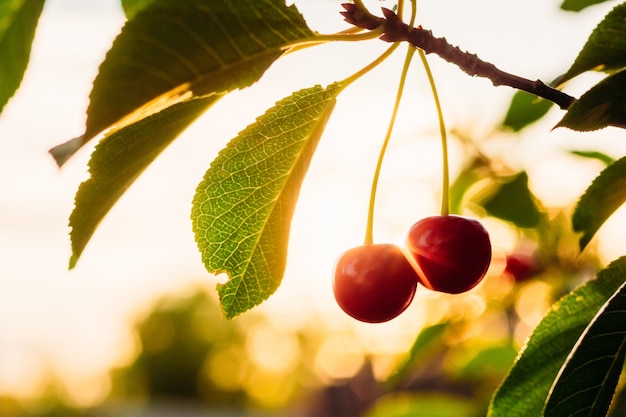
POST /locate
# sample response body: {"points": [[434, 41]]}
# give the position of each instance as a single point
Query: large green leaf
{"points": [[578, 5], [243, 207], [18, 21], [524, 391], [216, 62], [605, 49], [119, 159], [606, 194], [587, 381], [603, 105], [172, 50]]}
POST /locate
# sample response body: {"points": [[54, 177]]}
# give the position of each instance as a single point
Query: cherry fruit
{"points": [[452, 253], [522, 266], [374, 283]]}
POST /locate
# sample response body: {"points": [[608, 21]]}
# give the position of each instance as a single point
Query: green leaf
{"points": [[603, 105], [119, 159], [524, 391], [216, 60], [173, 50], [428, 340], [243, 207], [587, 381], [606, 194], [605, 49], [525, 108], [514, 202], [18, 21], [492, 361], [578, 5]]}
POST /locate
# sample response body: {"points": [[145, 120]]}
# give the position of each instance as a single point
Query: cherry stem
{"points": [[395, 30], [369, 234], [445, 191]]}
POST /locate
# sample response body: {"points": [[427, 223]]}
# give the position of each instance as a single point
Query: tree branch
{"points": [[395, 30]]}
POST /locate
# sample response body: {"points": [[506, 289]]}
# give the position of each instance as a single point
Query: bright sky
{"points": [[75, 320]]}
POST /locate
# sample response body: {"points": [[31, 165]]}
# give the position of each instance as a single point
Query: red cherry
{"points": [[452, 253], [374, 283]]}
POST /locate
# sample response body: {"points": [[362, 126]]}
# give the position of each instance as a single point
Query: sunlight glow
{"points": [[74, 326]]}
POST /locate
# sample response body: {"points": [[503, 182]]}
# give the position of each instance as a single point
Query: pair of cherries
{"points": [[375, 283]]}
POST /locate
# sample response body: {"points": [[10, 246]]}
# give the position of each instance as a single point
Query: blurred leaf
{"points": [[491, 361], [174, 50], [423, 405], [525, 109], [602, 157], [132, 7], [514, 202], [606, 194], [578, 5], [605, 49], [18, 21], [475, 171], [603, 105], [427, 340], [119, 159], [243, 207], [588, 379], [524, 391]]}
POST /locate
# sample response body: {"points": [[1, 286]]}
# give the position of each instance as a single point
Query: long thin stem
{"points": [[445, 191], [369, 236]]}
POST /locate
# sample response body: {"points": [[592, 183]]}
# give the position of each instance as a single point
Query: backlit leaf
{"points": [[243, 207], [587, 381], [524, 391], [603, 105], [209, 61], [119, 159], [606, 194], [605, 49], [18, 21], [173, 50]]}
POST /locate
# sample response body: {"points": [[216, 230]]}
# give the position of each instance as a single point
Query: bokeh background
{"points": [[135, 328]]}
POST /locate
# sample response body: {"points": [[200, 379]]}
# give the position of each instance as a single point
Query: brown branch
{"points": [[395, 30]]}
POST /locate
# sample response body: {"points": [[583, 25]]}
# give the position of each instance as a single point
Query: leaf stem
{"points": [[344, 36], [370, 66], [369, 235], [445, 191]]}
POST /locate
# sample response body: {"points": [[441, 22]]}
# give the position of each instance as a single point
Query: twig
{"points": [[395, 30]]}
